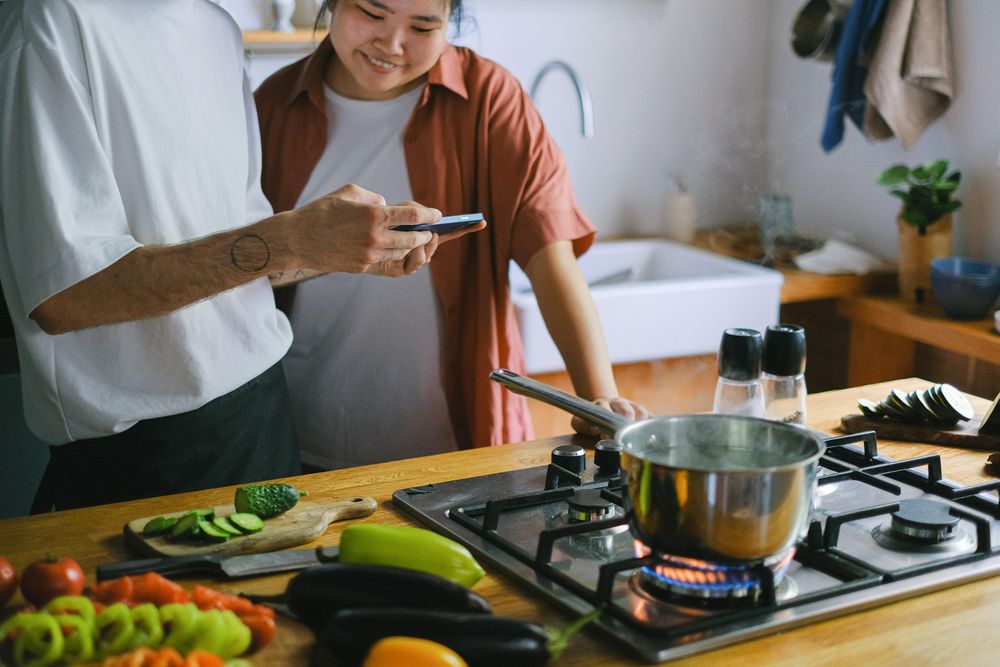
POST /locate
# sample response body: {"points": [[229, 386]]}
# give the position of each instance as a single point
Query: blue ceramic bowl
{"points": [[965, 288]]}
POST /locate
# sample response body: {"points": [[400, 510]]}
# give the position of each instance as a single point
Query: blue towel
{"points": [[847, 95]]}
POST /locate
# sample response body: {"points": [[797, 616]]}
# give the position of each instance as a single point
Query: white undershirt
{"points": [[124, 124], [364, 370]]}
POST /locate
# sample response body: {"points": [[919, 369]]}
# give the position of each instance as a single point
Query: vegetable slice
{"points": [[248, 523]]}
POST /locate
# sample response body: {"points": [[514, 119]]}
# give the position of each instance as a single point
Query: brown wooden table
{"points": [[956, 625]]}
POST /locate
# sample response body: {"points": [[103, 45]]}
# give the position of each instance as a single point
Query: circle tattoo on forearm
{"points": [[250, 253]]}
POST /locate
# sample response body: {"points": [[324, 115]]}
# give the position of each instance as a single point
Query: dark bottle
{"points": [[738, 391], [784, 379]]}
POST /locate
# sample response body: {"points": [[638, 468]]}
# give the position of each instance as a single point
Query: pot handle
{"points": [[603, 419]]}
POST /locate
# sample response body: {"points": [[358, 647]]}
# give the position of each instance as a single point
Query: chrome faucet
{"points": [[582, 94]]}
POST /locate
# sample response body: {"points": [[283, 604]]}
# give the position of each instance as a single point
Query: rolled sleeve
{"points": [[531, 173], [63, 216]]}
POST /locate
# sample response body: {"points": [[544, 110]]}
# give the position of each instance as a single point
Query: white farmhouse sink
{"points": [[657, 299]]}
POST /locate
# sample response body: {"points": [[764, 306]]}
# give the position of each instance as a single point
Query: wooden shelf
{"points": [[923, 324], [799, 285], [268, 41], [300, 35]]}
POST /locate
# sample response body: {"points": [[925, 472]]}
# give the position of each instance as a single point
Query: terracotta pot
{"points": [[916, 250]]}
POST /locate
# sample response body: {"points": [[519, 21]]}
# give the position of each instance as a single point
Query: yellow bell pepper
{"points": [[412, 652]]}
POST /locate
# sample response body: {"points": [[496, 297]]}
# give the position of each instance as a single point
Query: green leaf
{"points": [[894, 175], [934, 169], [954, 177], [920, 175], [902, 194]]}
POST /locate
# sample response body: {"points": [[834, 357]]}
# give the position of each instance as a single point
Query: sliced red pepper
{"points": [[113, 590]]}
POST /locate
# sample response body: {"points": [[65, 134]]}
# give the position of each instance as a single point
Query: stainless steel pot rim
{"points": [[810, 438]]}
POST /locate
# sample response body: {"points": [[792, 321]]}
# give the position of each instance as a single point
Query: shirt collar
{"points": [[447, 72]]}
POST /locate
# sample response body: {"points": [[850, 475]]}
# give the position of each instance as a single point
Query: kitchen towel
{"points": [[839, 257], [849, 70], [910, 81]]}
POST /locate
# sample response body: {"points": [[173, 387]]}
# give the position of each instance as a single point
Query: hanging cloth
{"points": [[910, 83], [849, 70]]}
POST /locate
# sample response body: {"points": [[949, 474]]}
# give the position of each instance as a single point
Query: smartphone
{"points": [[446, 225]]}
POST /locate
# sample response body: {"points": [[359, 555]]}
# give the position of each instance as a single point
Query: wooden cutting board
{"points": [[965, 434], [303, 523]]}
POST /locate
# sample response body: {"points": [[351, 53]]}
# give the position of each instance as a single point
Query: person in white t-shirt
{"points": [[136, 249]]}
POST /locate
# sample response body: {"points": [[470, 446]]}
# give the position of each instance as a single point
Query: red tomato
{"points": [[49, 578], [8, 581]]}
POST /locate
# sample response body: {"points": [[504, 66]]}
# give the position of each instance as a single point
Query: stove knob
{"points": [[570, 457], [607, 456]]}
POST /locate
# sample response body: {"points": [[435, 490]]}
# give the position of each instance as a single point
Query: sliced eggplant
{"points": [[887, 408], [927, 406], [957, 402], [901, 402], [869, 409]]}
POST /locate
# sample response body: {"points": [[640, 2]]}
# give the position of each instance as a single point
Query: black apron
{"points": [[244, 436]]}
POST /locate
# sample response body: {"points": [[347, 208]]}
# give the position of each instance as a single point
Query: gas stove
{"points": [[880, 530]]}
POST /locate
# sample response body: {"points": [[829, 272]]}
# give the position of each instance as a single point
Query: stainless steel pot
{"points": [[720, 488]]}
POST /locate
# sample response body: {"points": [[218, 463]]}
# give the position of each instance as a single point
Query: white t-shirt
{"points": [[125, 123], [364, 371]]}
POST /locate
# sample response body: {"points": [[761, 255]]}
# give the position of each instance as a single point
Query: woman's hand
{"points": [[629, 409]]}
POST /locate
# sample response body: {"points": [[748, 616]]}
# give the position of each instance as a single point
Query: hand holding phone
{"points": [[445, 225]]}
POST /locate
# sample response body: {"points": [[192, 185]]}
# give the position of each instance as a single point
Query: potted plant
{"points": [[924, 222]]}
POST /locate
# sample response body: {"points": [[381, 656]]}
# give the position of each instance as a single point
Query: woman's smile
{"points": [[379, 65]]}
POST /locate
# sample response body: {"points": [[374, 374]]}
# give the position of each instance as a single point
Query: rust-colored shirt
{"points": [[473, 143]]}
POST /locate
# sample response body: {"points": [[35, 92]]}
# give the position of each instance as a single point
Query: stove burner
{"points": [[924, 520], [702, 580], [923, 525], [588, 505]]}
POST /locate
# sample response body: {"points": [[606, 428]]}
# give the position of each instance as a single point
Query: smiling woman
{"points": [[386, 102]]}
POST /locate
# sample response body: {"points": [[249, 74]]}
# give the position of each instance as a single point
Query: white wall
{"points": [[677, 86], [835, 195], [710, 89]]}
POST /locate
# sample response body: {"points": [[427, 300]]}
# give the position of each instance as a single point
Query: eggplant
{"points": [[318, 591], [482, 641]]}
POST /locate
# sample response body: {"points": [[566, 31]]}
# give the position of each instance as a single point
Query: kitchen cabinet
{"points": [[949, 625]]}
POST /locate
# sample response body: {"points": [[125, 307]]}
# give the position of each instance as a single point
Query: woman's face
{"points": [[384, 47]]}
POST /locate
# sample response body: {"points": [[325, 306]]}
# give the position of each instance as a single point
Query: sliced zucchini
{"points": [[211, 532], [185, 526], [158, 526], [248, 523], [223, 524]]}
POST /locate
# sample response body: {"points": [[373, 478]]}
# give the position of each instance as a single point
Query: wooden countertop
{"points": [[799, 285], [945, 626]]}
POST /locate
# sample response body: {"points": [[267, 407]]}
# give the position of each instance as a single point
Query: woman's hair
{"points": [[456, 13]]}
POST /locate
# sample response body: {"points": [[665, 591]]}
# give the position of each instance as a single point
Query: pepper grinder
{"points": [[784, 379], [738, 391]]}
